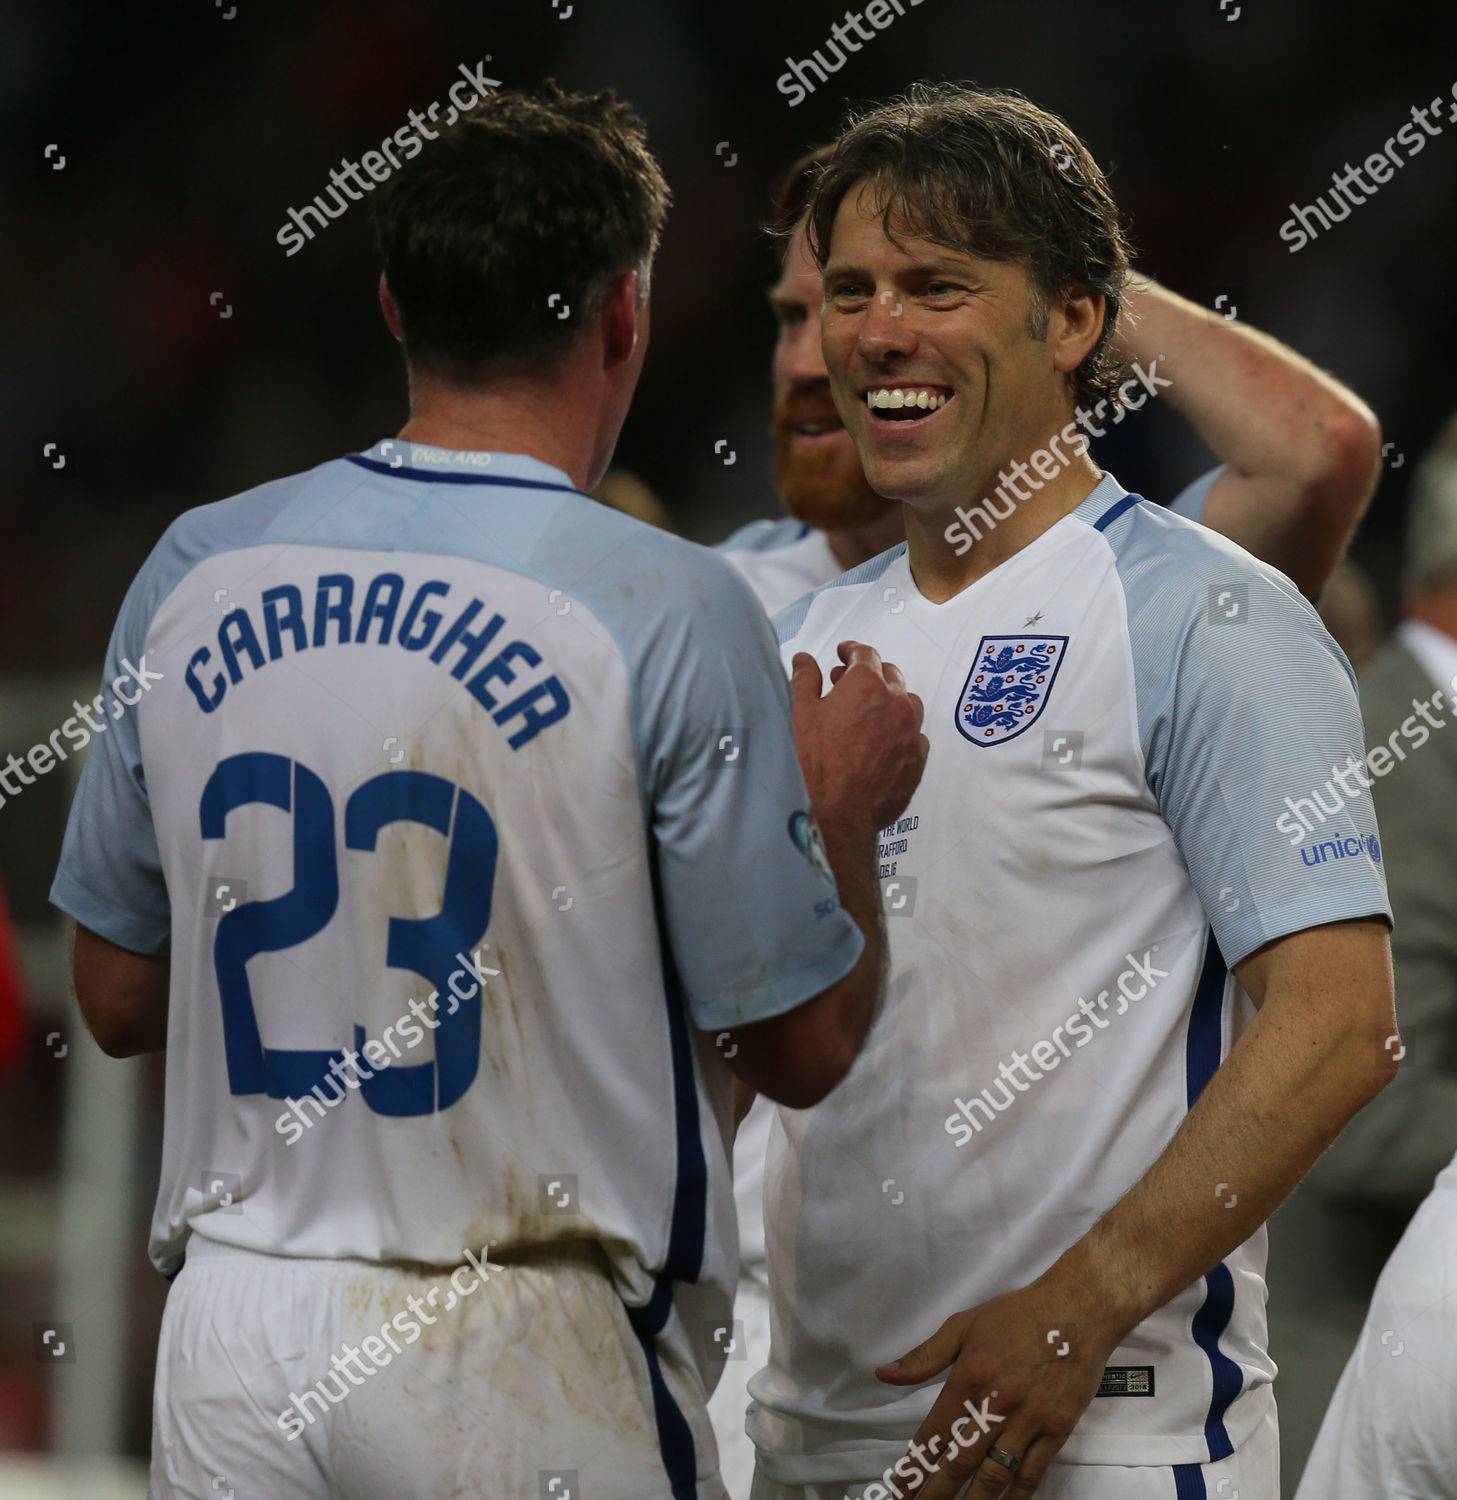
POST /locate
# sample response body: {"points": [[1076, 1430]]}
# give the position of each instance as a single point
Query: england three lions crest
{"points": [[1008, 687]]}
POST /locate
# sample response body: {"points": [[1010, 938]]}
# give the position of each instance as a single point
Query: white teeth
{"points": [[896, 398]]}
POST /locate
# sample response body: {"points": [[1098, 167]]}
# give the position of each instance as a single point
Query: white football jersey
{"points": [[1391, 1427], [782, 560], [468, 812], [1115, 715]]}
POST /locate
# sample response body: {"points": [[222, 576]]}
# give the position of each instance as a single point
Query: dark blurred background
{"points": [[159, 337]]}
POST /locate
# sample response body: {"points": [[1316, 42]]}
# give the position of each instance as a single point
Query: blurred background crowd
{"points": [[160, 350]]}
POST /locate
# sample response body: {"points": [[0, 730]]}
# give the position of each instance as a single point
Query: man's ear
{"points": [[388, 308], [1073, 328], [620, 328]]}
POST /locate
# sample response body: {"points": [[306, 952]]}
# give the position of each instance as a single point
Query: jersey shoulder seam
{"points": [[765, 535], [790, 620]]}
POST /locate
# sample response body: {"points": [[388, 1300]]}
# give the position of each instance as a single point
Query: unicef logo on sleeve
{"points": [[1373, 848], [808, 839]]}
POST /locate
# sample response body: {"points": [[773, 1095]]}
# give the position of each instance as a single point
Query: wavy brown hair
{"points": [[988, 173]]}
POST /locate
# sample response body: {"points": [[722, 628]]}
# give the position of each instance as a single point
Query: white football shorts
{"points": [[297, 1379], [1251, 1472]]}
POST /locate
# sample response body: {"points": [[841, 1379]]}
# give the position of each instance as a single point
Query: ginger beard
{"points": [[816, 469]]}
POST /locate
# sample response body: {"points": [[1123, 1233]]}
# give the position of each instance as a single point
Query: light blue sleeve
{"points": [[110, 874], [749, 902], [1191, 500], [1246, 710], [763, 536]]}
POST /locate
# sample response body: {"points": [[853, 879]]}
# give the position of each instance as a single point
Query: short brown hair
{"points": [[530, 203], [986, 172]]}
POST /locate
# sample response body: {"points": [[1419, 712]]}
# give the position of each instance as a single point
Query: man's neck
{"points": [[940, 573], [858, 544], [512, 417]]}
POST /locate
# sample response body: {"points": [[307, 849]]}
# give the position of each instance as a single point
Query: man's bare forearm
{"points": [[1303, 1068]]}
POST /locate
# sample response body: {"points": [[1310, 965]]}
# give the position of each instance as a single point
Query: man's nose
{"points": [[883, 329], [801, 356]]}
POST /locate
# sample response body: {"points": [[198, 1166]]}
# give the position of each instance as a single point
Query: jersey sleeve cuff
{"points": [[761, 1002], [127, 930], [1237, 940]]}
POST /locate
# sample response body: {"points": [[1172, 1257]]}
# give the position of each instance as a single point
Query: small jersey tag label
{"points": [[1127, 1380]]}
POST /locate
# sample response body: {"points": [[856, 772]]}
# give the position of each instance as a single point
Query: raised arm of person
{"points": [[1301, 453]]}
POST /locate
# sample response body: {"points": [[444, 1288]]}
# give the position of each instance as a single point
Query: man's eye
{"points": [[940, 289], [791, 317]]}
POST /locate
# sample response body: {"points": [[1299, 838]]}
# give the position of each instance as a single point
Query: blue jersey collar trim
{"points": [[1106, 495], [421, 461]]}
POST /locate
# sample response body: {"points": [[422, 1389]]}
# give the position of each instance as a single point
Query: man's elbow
{"points": [[797, 1094], [1345, 464], [792, 1064], [118, 1044], [801, 1081], [116, 1033], [123, 996], [1373, 1058], [818, 1078], [1385, 1065]]}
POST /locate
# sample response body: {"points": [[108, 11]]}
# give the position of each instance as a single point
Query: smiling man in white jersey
{"points": [[1052, 1161], [1299, 456], [461, 819]]}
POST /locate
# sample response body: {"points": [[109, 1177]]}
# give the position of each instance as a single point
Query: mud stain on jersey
{"points": [[502, 1039]]}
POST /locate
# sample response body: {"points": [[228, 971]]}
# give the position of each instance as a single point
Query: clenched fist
{"points": [[860, 745]]}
